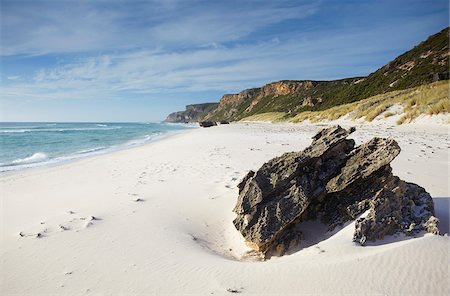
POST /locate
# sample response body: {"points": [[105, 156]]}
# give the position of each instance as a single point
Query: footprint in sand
{"points": [[320, 250], [141, 183], [233, 180], [36, 235], [76, 224], [136, 197], [235, 290]]}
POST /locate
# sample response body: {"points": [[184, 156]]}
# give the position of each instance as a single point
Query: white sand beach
{"points": [[157, 219]]}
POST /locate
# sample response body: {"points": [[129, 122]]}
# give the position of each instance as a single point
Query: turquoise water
{"points": [[24, 145]]}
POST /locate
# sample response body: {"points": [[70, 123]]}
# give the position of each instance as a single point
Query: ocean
{"points": [[26, 145]]}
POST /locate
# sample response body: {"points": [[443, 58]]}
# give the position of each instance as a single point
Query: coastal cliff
{"points": [[290, 96], [424, 64]]}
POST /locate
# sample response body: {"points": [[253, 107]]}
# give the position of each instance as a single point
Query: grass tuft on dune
{"points": [[428, 99], [269, 116]]}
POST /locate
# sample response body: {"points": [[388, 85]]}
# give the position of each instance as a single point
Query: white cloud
{"points": [[15, 77], [220, 68], [44, 27], [157, 47]]}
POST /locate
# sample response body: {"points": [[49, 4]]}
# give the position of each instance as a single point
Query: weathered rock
{"points": [[399, 206], [207, 123], [365, 172], [275, 196], [363, 162], [335, 182], [311, 101]]}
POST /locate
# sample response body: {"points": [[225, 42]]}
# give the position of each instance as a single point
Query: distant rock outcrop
{"points": [[193, 113], [207, 123], [335, 182]]}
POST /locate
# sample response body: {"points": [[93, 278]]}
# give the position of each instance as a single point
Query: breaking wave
{"points": [[36, 157]]}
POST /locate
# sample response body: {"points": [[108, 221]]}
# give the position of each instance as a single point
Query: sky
{"points": [[118, 60]]}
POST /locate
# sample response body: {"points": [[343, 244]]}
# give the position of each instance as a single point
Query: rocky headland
{"points": [[193, 113]]}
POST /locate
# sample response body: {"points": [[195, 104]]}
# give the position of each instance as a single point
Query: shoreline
{"points": [[99, 153], [163, 222], [437, 128]]}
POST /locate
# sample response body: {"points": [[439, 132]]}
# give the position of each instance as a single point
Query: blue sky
{"points": [[120, 60]]}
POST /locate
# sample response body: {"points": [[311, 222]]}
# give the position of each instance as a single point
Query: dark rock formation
{"points": [[207, 123], [283, 188], [193, 113], [335, 182]]}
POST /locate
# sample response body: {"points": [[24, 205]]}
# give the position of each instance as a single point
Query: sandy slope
{"points": [[163, 222]]}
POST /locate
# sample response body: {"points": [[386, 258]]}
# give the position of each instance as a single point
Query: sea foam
{"points": [[32, 130], [36, 157], [29, 145], [91, 150]]}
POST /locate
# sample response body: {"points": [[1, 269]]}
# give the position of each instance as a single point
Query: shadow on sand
{"points": [[442, 209], [315, 232]]}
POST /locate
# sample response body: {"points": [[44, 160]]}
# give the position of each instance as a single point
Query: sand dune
{"points": [[157, 219]]}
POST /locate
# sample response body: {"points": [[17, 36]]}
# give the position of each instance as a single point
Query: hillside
{"points": [[424, 64], [398, 106]]}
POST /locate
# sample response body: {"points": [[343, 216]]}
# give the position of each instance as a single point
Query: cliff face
{"points": [[281, 88], [285, 96], [425, 63], [274, 88], [193, 113]]}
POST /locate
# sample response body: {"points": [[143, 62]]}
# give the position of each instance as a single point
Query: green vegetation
{"points": [[270, 117], [425, 63], [409, 81], [428, 99], [388, 114]]}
